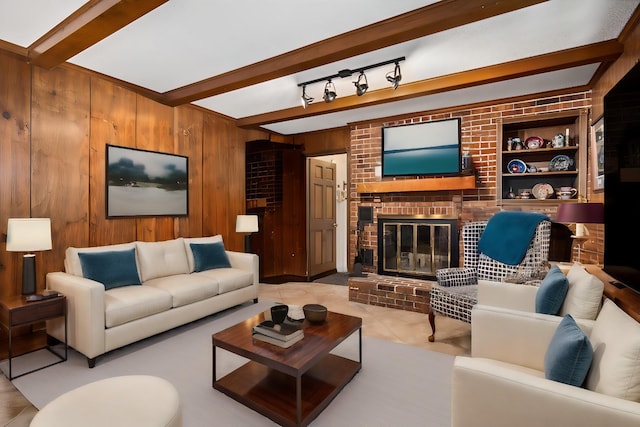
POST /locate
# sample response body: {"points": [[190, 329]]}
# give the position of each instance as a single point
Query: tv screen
{"points": [[423, 149], [622, 180]]}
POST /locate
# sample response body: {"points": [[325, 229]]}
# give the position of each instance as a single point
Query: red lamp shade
{"points": [[581, 213]]}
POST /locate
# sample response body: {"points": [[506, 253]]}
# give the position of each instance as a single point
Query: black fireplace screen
{"points": [[416, 247]]}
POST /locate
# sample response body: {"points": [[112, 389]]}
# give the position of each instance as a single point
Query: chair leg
{"points": [[432, 322]]}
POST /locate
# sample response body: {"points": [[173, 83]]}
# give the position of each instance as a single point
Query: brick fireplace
{"points": [[479, 134]]}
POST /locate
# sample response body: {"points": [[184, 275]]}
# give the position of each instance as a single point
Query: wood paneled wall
{"points": [[54, 127]]}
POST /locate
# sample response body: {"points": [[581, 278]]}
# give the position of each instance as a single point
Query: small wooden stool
{"points": [[131, 400]]}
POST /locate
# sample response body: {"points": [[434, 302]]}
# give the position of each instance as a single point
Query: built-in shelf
{"points": [[425, 184]]}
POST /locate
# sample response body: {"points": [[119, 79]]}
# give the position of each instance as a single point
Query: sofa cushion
{"points": [[122, 305], [186, 288], [615, 370], [187, 244], [584, 295], [161, 259], [111, 268], [552, 292], [229, 279], [207, 256], [569, 354], [72, 260]]}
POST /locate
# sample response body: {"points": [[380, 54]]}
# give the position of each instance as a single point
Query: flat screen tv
{"points": [[422, 149], [622, 180]]}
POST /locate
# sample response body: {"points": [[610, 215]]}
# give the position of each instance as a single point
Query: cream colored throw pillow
{"points": [[584, 296], [615, 338]]}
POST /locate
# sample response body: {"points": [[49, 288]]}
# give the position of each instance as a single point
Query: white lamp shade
{"points": [[28, 234], [247, 223]]}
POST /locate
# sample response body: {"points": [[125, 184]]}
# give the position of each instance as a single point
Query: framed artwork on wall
{"points": [[145, 183], [597, 153]]}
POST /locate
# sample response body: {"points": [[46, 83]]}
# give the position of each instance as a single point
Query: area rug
{"points": [[398, 384]]}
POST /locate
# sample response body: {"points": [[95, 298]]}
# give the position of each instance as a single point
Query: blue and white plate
{"points": [[516, 166], [561, 162]]}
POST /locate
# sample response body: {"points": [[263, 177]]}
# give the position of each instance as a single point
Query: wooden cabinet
{"points": [[540, 166], [276, 192]]}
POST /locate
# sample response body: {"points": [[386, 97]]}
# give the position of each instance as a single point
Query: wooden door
{"points": [[322, 216]]}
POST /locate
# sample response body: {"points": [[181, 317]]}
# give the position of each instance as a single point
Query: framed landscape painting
{"points": [[145, 183]]}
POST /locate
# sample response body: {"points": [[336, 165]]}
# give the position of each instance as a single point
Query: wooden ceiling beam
{"points": [[606, 51], [94, 21], [425, 21]]}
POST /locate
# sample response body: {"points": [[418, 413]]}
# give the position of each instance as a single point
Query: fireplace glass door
{"points": [[416, 249]]}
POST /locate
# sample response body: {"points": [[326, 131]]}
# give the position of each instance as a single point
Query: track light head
{"points": [[396, 77], [361, 84], [329, 92], [305, 99]]}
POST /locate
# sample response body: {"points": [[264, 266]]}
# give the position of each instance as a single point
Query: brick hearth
{"points": [[390, 291]]}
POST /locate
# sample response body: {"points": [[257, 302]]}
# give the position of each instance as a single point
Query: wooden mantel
{"points": [[467, 182]]}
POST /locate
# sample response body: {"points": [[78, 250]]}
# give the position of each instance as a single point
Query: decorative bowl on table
{"points": [[315, 313], [279, 313]]}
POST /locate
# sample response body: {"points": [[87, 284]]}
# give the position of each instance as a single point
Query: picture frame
{"points": [[145, 183], [597, 154]]}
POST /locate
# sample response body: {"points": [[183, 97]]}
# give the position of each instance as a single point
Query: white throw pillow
{"points": [[615, 338], [188, 240], [584, 296]]}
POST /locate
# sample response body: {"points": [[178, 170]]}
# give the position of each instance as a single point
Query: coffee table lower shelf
{"points": [[274, 394]]}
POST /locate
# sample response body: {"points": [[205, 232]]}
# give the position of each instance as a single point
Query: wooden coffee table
{"points": [[291, 385]]}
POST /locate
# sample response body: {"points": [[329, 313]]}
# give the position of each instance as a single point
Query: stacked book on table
{"points": [[283, 335]]}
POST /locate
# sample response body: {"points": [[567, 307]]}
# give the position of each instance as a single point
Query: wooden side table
{"points": [[15, 312]]}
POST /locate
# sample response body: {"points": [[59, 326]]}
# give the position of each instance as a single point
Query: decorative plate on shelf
{"points": [[534, 142], [517, 166], [561, 162], [542, 191]]}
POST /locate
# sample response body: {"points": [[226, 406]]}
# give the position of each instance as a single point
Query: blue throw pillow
{"points": [[552, 291], [113, 268], [207, 256], [569, 355]]}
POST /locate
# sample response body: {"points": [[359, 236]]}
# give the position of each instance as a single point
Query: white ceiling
{"points": [[186, 41]]}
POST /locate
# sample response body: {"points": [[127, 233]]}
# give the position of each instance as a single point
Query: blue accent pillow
{"points": [[552, 292], [569, 355], [207, 256], [113, 268]]}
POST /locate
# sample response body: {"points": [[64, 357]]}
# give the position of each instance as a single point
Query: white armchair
{"points": [[503, 384]]}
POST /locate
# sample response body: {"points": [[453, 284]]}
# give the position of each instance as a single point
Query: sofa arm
{"points": [[524, 398], [514, 336], [456, 276], [247, 262], [507, 295], [85, 313]]}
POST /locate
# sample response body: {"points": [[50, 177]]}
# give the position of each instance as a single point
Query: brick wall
{"points": [[479, 130]]}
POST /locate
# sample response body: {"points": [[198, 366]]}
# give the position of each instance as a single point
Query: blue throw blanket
{"points": [[508, 235]]}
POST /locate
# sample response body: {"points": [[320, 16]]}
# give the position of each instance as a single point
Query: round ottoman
{"points": [[131, 400]]}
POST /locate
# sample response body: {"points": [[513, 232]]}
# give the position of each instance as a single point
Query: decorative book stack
{"points": [[283, 335]]}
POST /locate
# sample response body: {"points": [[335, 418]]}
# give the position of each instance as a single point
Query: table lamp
{"points": [[247, 224], [28, 235], [580, 214]]}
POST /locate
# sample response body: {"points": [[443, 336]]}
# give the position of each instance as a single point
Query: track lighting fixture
{"points": [[329, 92], [306, 99], [361, 84], [396, 77]]}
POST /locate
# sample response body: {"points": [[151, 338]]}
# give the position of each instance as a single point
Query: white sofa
{"points": [[171, 292], [503, 383]]}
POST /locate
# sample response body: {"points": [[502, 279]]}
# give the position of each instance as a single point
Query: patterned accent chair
{"points": [[456, 290]]}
